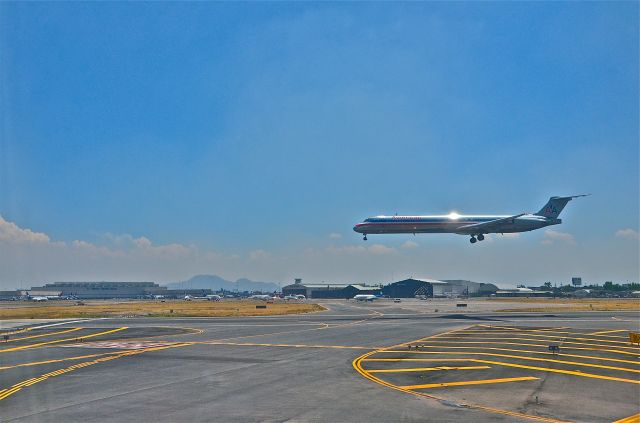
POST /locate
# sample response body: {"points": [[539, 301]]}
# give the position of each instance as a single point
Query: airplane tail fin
{"points": [[555, 205]]}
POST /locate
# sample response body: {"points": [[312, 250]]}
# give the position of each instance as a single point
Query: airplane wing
{"points": [[486, 227]]}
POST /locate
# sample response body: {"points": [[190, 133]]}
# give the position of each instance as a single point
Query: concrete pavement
{"points": [[374, 362]]}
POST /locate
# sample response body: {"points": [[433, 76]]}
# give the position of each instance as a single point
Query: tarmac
{"points": [[355, 362]]}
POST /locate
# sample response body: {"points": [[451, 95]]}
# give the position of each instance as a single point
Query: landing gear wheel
{"points": [[480, 237], [473, 240], [364, 238]]}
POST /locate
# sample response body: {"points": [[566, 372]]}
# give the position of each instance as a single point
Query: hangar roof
{"points": [[326, 285], [365, 287], [431, 281], [359, 287]]}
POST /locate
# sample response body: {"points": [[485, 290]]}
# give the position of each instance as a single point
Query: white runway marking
{"points": [[121, 345]]}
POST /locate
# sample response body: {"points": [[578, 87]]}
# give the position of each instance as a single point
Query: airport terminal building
{"points": [[103, 290], [99, 290]]}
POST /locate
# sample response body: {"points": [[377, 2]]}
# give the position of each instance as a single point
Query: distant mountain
{"points": [[216, 283], [202, 282], [249, 285]]}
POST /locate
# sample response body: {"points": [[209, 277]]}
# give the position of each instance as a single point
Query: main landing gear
{"points": [[364, 238], [473, 238]]}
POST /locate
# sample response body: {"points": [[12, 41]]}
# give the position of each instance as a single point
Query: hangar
{"points": [[328, 290], [409, 288], [406, 288]]}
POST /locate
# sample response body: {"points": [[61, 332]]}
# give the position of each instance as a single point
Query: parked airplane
{"points": [[365, 297], [209, 297], [473, 225], [295, 297], [261, 297], [39, 298]]}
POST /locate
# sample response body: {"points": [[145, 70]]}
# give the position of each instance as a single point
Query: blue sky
{"points": [[256, 130]]}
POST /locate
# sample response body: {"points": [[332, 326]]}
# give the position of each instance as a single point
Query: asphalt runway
{"points": [[372, 362]]}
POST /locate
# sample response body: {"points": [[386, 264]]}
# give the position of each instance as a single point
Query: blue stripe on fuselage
{"points": [[432, 219]]}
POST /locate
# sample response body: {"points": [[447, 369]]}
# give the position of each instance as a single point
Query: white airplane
{"points": [[207, 297], [365, 297], [39, 298], [290, 297], [475, 226], [261, 297]]}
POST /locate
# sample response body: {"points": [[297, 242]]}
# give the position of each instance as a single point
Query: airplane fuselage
{"points": [[365, 297], [474, 225], [452, 223]]}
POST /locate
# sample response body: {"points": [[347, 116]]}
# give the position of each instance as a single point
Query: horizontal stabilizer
{"points": [[486, 227]]}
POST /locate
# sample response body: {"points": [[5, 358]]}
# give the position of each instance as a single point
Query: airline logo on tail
{"points": [[550, 209]]}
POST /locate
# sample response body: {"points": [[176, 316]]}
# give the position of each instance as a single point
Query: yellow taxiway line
{"points": [[194, 331], [607, 331], [416, 359], [631, 419], [544, 369], [57, 341], [618, 360], [556, 332], [469, 382], [497, 328], [26, 383], [492, 327], [549, 360], [9, 392], [615, 336], [554, 338], [634, 350], [15, 331], [358, 367], [429, 369], [59, 360], [44, 334], [255, 344]]}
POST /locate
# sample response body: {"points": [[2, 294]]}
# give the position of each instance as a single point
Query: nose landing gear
{"points": [[364, 238]]}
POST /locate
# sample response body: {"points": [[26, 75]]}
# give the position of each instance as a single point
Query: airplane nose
{"points": [[357, 227]]}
